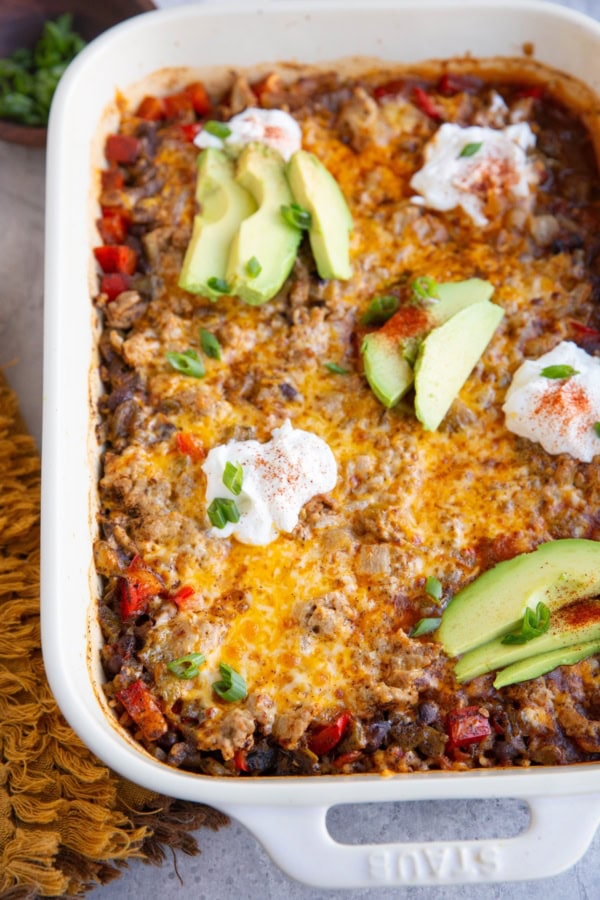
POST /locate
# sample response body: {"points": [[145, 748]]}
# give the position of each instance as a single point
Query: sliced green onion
{"points": [[559, 372], [187, 666], [296, 215], [336, 368], [424, 288], [188, 363], [223, 510], [231, 686], [233, 478], [253, 267], [425, 626], [534, 623], [218, 285], [217, 129], [597, 428], [433, 587], [470, 149], [210, 344], [380, 309]]}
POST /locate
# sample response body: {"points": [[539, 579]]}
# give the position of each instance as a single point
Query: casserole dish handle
{"points": [[560, 831]]}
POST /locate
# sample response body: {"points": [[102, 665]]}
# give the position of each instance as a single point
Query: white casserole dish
{"points": [[287, 815]]}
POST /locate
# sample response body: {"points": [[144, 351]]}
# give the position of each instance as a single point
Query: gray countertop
{"points": [[233, 864]]}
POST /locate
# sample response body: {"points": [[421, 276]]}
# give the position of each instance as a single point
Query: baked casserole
{"points": [[306, 643]]}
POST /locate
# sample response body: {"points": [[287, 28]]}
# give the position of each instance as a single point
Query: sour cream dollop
{"points": [[273, 127], [496, 163], [558, 413], [279, 478]]}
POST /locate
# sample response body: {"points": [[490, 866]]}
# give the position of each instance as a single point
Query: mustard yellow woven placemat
{"points": [[67, 822]]}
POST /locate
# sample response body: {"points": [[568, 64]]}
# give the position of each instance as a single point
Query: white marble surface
{"points": [[233, 865]]}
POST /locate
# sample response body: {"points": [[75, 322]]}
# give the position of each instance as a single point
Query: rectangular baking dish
{"points": [[287, 815]]}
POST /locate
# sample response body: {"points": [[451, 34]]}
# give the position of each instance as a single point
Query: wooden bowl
{"points": [[21, 23]]}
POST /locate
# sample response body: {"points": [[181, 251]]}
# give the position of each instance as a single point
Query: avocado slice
{"points": [[557, 573], [315, 188], [387, 353], [577, 623], [535, 666], [447, 357], [264, 249], [224, 204]]}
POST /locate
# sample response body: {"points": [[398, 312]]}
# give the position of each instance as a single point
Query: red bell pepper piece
{"points": [[151, 108], [423, 101], [189, 131], [122, 148], [466, 726], [114, 284], [389, 89], [112, 179], [536, 91], [191, 445], [184, 593], [328, 737], [116, 258], [584, 329], [345, 758], [177, 106], [144, 710], [199, 98], [239, 761], [113, 227], [136, 587]]}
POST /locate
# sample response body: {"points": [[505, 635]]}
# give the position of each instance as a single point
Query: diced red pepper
{"points": [[466, 726], [450, 84], [536, 91], [328, 737], [122, 148], [390, 88], [584, 329], [345, 759], [191, 445], [178, 105], [151, 108], [116, 258], [239, 761], [199, 98], [424, 102], [189, 131], [184, 593], [113, 226], [144, 710], [112, 179], [114, 284], [136, 587]]}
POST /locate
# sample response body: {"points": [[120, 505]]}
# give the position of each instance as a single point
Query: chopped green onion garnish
{"points": [[233, 478], [380, 309], [424, 288], [425, 626], [597, 428], [559, 372], [296, 215], [210, 344], [187, 666], [231, 686], [217, 129], [470, 149], [253, 267], [223, 510], [534, 623], [219, 285], [433, 587], [336, 368], [188, 363]]}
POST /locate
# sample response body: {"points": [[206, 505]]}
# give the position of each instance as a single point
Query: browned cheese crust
{"points": [[318, 622]]}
